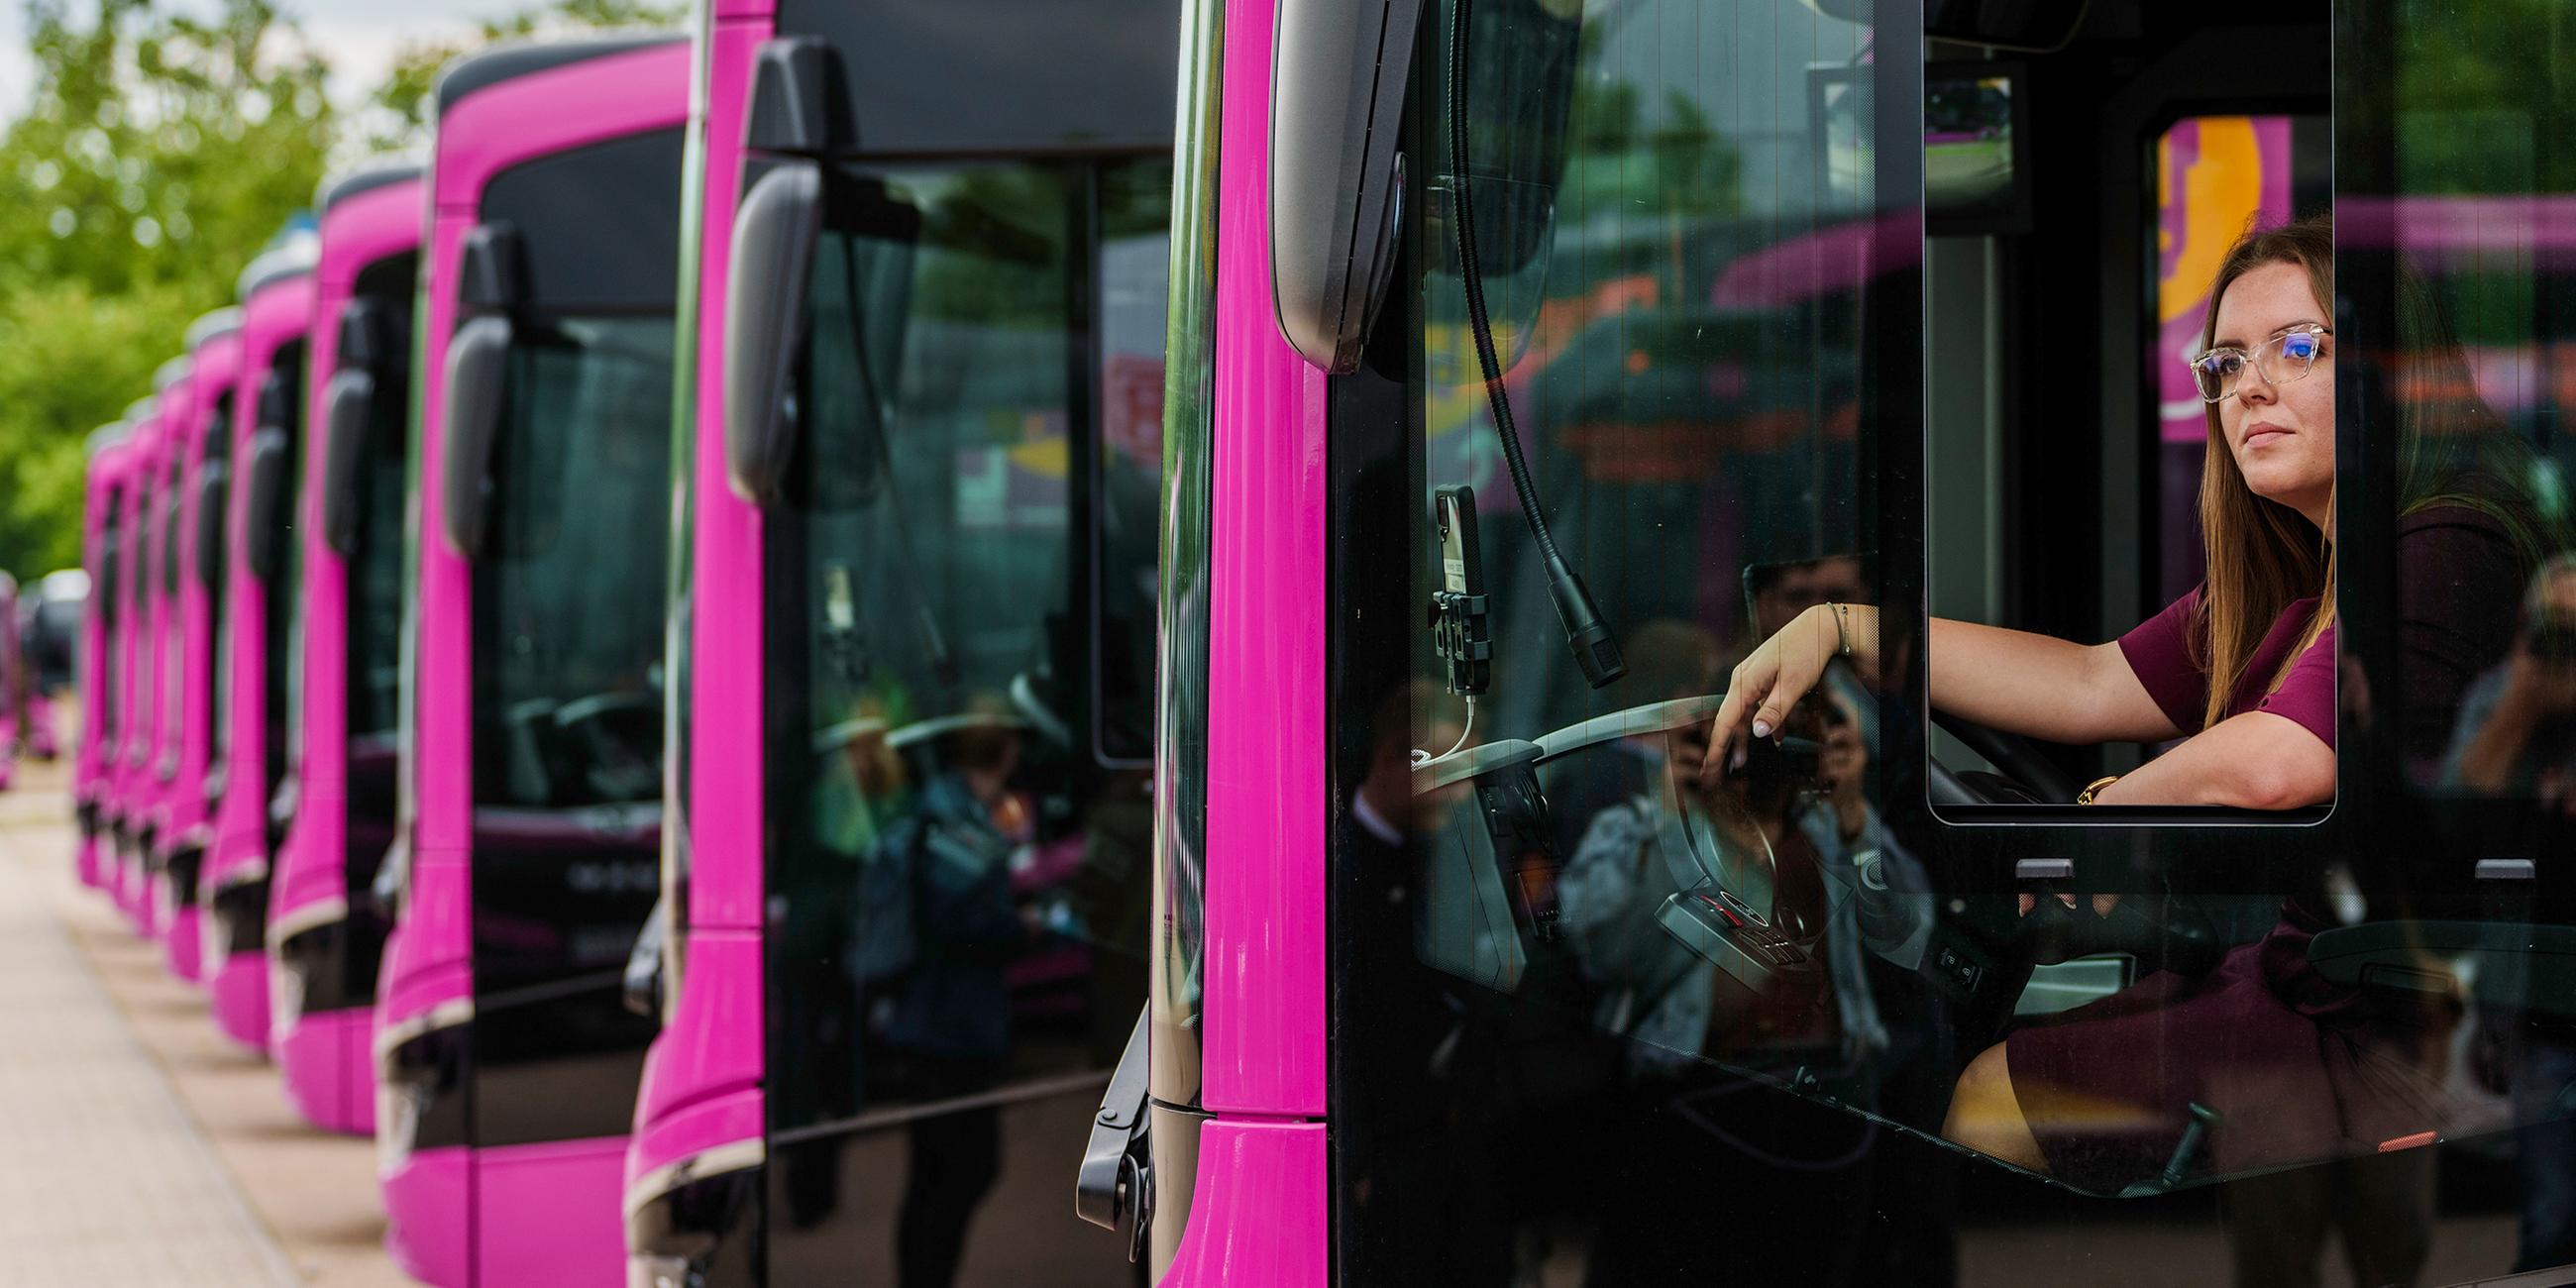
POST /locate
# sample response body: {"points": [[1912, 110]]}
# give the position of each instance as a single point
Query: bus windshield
{"points": [[1654, 340], [961, 593], [569, 609]]}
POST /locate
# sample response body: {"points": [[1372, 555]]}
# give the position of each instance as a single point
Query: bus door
{"points": [[959, 574]]}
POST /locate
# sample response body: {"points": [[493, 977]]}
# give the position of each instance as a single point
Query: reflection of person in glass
{"points": [[2242, 671], [2517, 728], [1781, 591], [945, 1025], [2517, 737]]}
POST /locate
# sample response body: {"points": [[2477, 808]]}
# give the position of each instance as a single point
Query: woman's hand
{"points": [[1771, 680]]}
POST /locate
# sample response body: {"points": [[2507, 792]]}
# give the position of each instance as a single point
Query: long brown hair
{"points": [[2263, 556], [2453, 451]]}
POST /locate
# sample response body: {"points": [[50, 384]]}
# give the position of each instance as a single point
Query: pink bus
{"points": [[13, 679], [200, 463], [101, 711], [1534, 365], [333, 808], [525, 856], [908, 810], [261, 426], [152, 764], [121, 813]]}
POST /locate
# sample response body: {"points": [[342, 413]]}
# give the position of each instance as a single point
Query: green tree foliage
{"points": [[157, 154], [402, 103]]}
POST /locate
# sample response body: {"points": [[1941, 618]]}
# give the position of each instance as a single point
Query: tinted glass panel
{"points": [[569, 595], [375, 570], [1759, 996], [285, 589], [1025, 94], [960, 599], [569, 625]]}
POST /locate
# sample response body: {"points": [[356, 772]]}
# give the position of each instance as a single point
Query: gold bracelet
{"points": [[1842, 626], [2085, 797]]}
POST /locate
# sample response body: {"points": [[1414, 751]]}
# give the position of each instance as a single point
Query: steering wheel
{"points": [[1981, 955], [615, 739], [2027, 776]]}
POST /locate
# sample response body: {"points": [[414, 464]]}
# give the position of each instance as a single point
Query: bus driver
{"points": [[2242, 670]]}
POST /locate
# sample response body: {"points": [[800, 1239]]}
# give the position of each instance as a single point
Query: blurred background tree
{"points": [[398, 112], [157, 154]]}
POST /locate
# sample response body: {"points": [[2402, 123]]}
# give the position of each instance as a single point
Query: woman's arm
{"points": [[2007, 680], [2040, 686], [2254, 761]]}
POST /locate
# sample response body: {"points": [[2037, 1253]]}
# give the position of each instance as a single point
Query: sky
{"points": [[358, 37]]}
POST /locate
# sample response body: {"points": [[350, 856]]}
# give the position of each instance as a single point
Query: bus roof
{"points": [[366, 176], [208, 326], [508, 62], [285, 263]]}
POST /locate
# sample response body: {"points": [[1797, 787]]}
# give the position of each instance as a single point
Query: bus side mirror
{"points": [[477, 373], [1336, 180], [212, 487], [347, 404], [168, 569], [773, 253], [366, 346], [491, 284], [276, 402], [264, 522]]}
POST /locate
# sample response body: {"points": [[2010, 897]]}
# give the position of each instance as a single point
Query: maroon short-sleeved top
{"points": [[2159, 651]]}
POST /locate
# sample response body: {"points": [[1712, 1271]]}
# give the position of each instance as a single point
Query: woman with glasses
{"points": [[2242, 672]]}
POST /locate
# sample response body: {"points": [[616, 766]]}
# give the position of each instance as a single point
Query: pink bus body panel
{"points": [[701, 1084], [1259, 1216], [1261, 1207], [1266, 805], [89, 772], [546, 1216], [9, 715], [275, 317], [425, 1202], [118, 788], [218, 367], [326, 1059], [148, 795], [429, 954]]}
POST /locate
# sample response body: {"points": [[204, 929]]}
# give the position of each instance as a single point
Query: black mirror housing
{"points": [[1336, 180], [213, 487], [265, 523], [491, 275], [366, 335], [800, 99], [774, 241], [348, 404], [477, 382]]}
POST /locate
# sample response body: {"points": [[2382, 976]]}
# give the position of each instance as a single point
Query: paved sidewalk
{"points": [[104, 1179], [137, 1145]]}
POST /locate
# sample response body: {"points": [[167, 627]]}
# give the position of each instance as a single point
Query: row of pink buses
{"points": [[832, 629]]}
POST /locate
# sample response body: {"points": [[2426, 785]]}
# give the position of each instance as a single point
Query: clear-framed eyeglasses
{"points": [[2283, 358]]}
